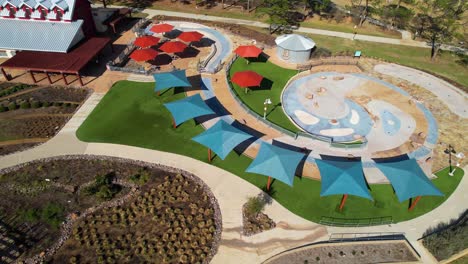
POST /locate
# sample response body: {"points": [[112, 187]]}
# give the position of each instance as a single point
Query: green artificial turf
{"points": [[275, 78], [131, 114]]}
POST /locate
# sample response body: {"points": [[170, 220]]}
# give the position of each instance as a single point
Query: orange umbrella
{"points": [[190, 36], [247, 79], [144, 54], [161, 28], [146, 41], [249, 51], [173, 47]]}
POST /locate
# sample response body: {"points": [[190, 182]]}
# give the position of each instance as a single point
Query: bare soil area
{"points": [[35, 112], [349, 253]]}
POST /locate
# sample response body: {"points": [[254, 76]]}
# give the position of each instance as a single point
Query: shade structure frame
{"points": [[188, 108], [276, 162], [221, 138], [408, 179], [342, 178], [166, 80]]}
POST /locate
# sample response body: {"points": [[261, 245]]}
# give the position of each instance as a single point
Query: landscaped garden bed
{"points": [[253, 218], [95, 209], [349, 253], [447, 239], [34, 113]]}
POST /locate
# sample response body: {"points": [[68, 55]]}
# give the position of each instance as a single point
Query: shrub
{"points": [[57, 104], [254, 205], [12, 106], [35, 104], [3, 108], [103, 187], [141, 177], [25, 105], [46, 104]]}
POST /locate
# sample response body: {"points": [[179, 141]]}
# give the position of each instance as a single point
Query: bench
{"points": [[118, 16]]}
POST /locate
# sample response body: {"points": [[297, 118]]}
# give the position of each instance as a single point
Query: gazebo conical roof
{"points": [[295, 42]]}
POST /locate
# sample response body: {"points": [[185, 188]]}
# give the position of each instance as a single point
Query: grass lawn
{"points": [[275, 78], [444, 65], [130, 114]]}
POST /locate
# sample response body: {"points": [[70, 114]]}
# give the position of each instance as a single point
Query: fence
{"points": [[202, 65], [355, 222], [340, 237], [246, 108], [329, 140], [336, 60], [139, 27]]}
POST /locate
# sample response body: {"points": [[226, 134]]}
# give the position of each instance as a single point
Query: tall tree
{"points": [[364, 8], [444, 21], [278, 12]]}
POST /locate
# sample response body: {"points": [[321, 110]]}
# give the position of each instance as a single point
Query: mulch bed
{"points": [[60, 180], [9, 149], [55, 94], [265, 39]]}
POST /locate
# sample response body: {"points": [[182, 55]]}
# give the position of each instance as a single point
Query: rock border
{"points": [[66, 231]]}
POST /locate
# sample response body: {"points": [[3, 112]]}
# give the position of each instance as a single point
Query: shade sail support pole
{"points": [[173, 123], [48, 77], [32, 76], [343, 201], [414, 203], [64, 78], [5, 74], [79, 79], [268, 183], [209, 155]]}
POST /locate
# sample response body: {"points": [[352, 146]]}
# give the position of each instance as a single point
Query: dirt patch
{"points": [[162, 199], [244, 32], [349, 253], [36, 112]]}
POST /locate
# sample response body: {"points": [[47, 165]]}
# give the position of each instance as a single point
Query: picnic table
{"points": [[118, 16]]}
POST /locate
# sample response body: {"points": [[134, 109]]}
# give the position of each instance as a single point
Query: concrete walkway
{"points": [[455, 99], [404, 41], [232, 192]]}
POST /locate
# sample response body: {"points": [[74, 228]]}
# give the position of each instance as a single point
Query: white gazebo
{"points": [[294, 48]]}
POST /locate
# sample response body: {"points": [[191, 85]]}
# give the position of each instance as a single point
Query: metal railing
{"points": [[246, 108], [202, 65], [340, 237], [335, 60], [139, 27], [356, 222]]}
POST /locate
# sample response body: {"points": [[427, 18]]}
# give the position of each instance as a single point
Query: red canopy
{"points": [[161, 28], [247, 79], [249, 51], [144, 54], [190, 36], [146, 41], [173, 47]]}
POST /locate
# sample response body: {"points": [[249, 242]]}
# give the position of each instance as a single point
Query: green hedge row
{"points": [[33, 104], [14, 89]]}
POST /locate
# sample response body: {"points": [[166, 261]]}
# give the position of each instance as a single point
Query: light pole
{"points": [[265, 105], [449, 150], [459, 156]]}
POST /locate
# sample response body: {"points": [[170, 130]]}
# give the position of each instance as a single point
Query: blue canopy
{"points": [[408, 179], [222, 138], [176, 78], [276, 162], [187, 108], [342, 177]]}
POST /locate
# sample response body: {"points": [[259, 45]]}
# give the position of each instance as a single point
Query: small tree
{"points": [[254, 205], [278, 12]]}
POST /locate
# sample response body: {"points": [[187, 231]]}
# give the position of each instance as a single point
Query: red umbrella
{"points": [[161, 28], [173, 47], [146, 41], [144, 54], [249, 51], [247, 79], [190, 36]]}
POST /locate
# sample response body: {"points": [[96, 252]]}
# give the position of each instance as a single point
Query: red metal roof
{"points": [[71, 62]]}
